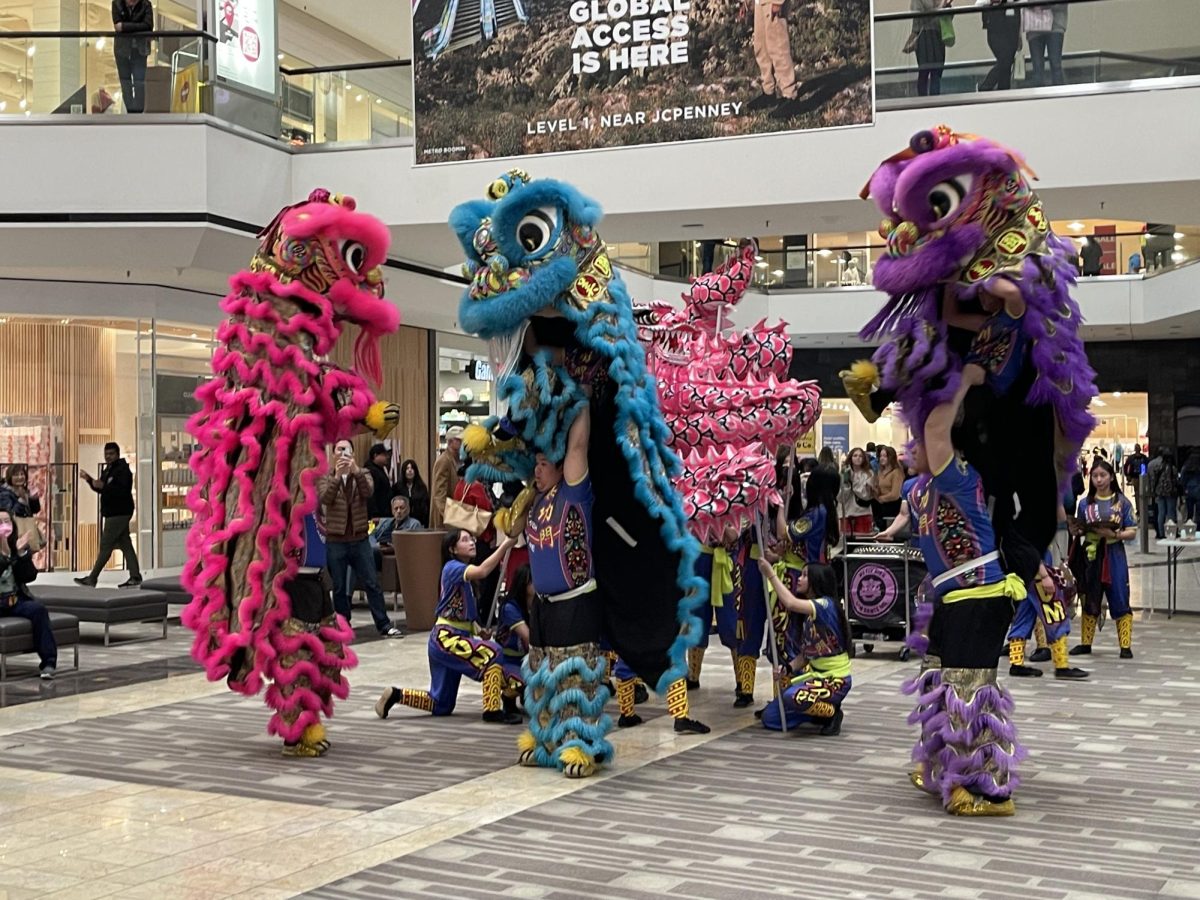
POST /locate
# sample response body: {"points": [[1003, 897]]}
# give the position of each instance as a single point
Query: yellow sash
{"points": [[837, 666], [722, 575], [1012, 587], [468, 627]]}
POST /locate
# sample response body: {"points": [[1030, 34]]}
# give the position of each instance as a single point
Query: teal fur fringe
{"points": [[590, 735]]}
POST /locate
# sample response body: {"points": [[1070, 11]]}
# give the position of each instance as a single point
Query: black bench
{"points": [[107, 606], [171, 586], [16, 636]]}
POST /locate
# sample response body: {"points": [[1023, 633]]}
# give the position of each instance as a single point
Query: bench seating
{"points": [[107, 606], [16, 636], [171, 586]]}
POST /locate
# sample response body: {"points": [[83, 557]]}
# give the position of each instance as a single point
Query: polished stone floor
{"points": [[168, 787]]}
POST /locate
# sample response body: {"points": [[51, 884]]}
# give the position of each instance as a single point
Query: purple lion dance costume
{"points": [[980, 321], [272, 405]]}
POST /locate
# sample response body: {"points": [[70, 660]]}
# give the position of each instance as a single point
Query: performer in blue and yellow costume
{"points": [[512, 633], [742, 616], [815, 693], [1047, 606], [714, 566], [1104, 523], [455, 645], [610, 551]]}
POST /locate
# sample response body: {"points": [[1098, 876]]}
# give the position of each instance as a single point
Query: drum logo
{"points": [[873, 591]]}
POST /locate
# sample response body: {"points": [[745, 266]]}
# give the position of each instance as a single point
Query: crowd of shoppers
{"points": [[1005, 23]]}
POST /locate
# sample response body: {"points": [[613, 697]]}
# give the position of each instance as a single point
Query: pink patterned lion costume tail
{"points": [[726, 396], [268, 412]]}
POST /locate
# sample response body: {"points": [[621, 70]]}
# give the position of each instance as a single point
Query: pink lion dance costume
{"points": [[273, 404], [730, 405]]}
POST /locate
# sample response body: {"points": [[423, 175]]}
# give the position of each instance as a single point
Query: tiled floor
{"points": [[170, 788]]}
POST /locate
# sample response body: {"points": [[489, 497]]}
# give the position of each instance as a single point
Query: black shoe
{"points": [[1024, 672], [1070, 673], [510, 705], [629, 721], [130, 583], [763, 101], [1081, 650], [1126, 653], [758, 713], [85, 582], [693, 685], [386, 701], [1041, 654], [690, 726], [640, 693], [834, 726], [501, 717], [741, 701]]}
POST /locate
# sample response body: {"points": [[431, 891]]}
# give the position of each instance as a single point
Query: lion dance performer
{"points": [[730, 405], [610, 552], [977, 283], [273, 404]]}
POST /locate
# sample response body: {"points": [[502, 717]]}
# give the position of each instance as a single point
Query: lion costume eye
{"points": [[536, 229], [946, 196], [355, 255]]}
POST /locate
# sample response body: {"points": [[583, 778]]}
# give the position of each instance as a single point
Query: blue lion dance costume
{"points": [[560, 325]]}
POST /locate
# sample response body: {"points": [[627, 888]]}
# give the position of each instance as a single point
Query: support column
{"points": [[56, 67]]}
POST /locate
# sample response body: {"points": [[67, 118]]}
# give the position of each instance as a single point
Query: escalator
{"points": [[466, 22]]}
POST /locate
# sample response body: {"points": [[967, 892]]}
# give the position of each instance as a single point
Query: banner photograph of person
{"points": [[500, 78]]}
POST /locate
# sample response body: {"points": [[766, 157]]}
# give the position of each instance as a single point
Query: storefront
{"points": [[464, 382]]}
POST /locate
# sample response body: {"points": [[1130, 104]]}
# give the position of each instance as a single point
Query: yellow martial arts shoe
{"points": [[964, 803]]}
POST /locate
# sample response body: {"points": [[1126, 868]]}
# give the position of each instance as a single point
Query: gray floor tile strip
{"points": [[1109, 807]]}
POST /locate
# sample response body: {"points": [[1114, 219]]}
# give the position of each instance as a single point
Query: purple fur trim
{"points": [[921, 305], [931, 717], [909, 375], [918, 639], [930, 263], [973, 755]]}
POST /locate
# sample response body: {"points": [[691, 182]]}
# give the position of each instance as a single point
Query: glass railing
{"points": [[365, 102], [1030, 44], [1123, 253], [78, 73], [1104, 42]]}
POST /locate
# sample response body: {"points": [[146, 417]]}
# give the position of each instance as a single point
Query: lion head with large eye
{"points": [[944, 199]]}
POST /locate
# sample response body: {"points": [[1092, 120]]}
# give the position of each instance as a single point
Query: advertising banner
{"points": [[246, 44], [501, 78], [836, 436]]}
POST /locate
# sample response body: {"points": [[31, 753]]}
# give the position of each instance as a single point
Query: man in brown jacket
{"points": [[445, 477], [344, 493]]}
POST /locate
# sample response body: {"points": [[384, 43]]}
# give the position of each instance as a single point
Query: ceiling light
{"points": [[358, 98], [195, 335], [378, 100], [757, 258], [1116, 393], [1179, 246], [99, 43], [23, 103], [279, 56], [762, 264], [1178, 257], [1098, 402], [824, 253], [64, 321], [1178, 235], [349, 86], [1076, 226], [32, 50], [778, 273]]}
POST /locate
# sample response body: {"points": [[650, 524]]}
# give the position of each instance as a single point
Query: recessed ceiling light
{"points": [[279, 56], [1177, 235], [1116, 393], [824, 253], [32, 50], [778, 273], [1179, 246], [1098, 402], [1178, 257], [358, 98], [1076, 226], [761, 265], [378, 99]]}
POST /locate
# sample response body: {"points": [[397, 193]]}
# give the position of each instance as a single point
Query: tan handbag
{"points": [[469, 518], [27, 525]]}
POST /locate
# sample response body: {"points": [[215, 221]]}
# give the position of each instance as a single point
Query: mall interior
{"points": [[131, 774]]}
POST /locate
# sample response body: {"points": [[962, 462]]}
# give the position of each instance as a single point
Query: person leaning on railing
{"points": [[130, 17], [926, 40]]}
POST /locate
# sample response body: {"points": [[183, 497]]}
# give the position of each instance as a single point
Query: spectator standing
{"points": [[888, 482], [1090, 256], [856, 494], [16, 571], [445, 476], [115, 487], [1189, 483], [412, 486], [1164, 488], [1003, 28], [378, 459], [344, 494], [1045, 29], [131, 20], [926, 40]]}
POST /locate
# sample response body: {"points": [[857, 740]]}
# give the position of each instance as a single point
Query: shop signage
{"points": [[478, 370], [246, 43], [517, 77], [836, 436]]}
